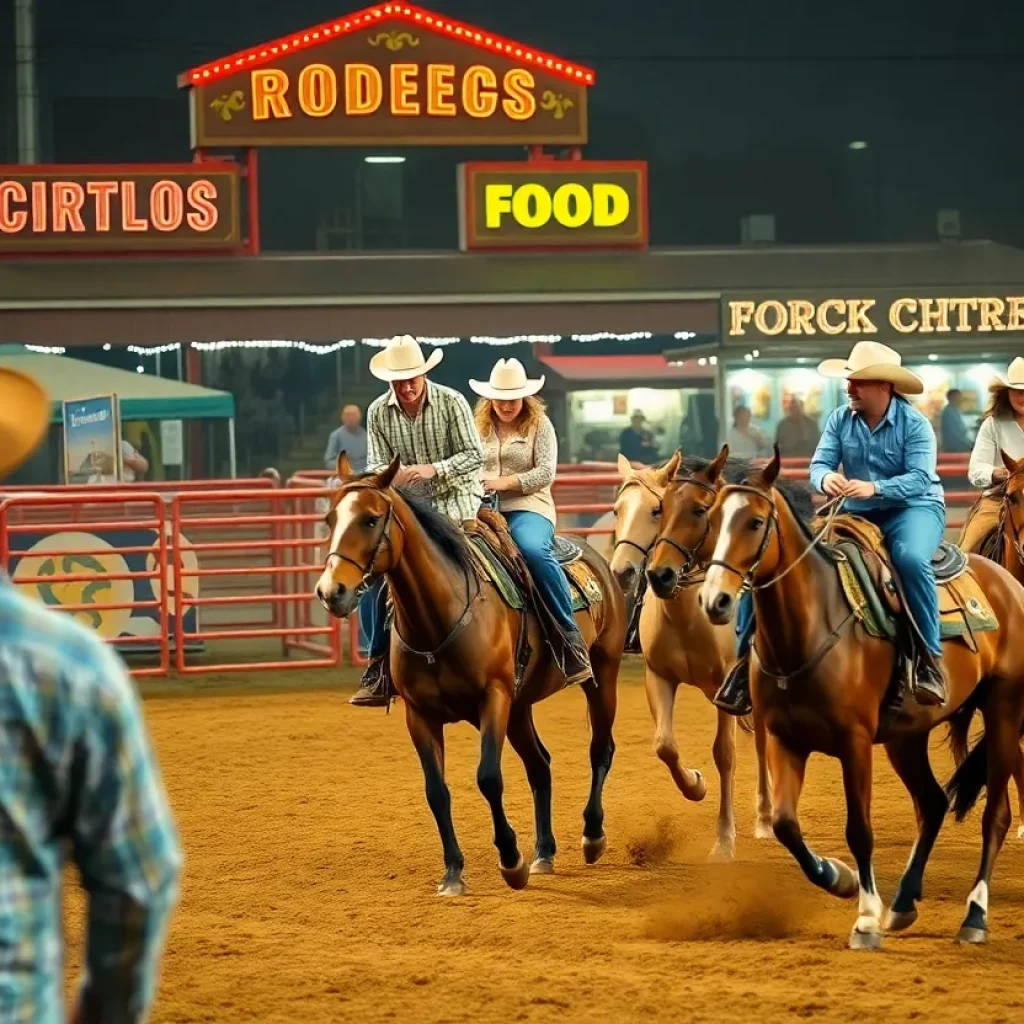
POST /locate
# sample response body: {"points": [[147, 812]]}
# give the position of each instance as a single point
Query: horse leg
{"points": [[724, 751], [493, 727], [909, 758], [763, 827], [602, 702], [522, 734], [428, 738], [867, 932], [1002, 739], [787, 772], [661, 696], [1018, 779]]}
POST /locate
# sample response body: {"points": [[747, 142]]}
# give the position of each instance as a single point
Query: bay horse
{"points": [[819, 683], [1005, 546], [453, 650], [679, 645]]}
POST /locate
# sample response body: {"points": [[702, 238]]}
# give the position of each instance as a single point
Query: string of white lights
{"points": [[47, 350], [327, 348]]}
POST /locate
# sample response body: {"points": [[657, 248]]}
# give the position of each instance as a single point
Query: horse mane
{"points": [[797, 496], [448, 537]]}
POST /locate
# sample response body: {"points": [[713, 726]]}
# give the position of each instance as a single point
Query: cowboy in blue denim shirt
{"points": [[888, 453]]}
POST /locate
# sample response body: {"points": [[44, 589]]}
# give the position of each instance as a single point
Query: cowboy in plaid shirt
{"points": [[430, 427], [78, 775]]}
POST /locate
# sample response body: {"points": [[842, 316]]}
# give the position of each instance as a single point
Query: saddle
{"points": [[873, 590], [500, 562]]}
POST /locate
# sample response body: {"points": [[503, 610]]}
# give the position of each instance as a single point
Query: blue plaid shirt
{"points": [[78, 777]]}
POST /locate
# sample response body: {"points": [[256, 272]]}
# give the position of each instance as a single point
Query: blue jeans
{"points": [[372, 614], [912, 536], [533, 534]]}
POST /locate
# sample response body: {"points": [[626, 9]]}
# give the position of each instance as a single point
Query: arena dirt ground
{"points": [[312, 859]]}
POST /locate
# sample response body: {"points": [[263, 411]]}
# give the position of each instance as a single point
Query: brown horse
{"points": [[453, 651], [680, 646], [819, 683], [1005, 546]]}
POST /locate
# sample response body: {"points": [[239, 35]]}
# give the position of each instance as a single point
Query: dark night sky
{"points": [[740, 106]]}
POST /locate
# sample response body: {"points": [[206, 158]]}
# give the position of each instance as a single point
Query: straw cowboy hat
{"points": [[24, 418], [402, 359], [508, 382], [871, 360], [1014, 375]]}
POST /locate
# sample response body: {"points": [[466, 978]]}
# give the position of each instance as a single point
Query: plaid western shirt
{"points": [[443, 435], [78, 777]]}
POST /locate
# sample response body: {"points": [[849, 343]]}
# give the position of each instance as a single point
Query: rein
{"points": [[369, 573], [747, 582], [1007, 515], [688, 576]]}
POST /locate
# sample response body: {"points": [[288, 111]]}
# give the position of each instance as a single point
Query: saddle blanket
{"points": [[963, 607], [583, 584]]}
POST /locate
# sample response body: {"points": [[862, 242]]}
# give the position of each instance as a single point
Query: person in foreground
{"points": [[520, 456], [430, 428], [1002, 430], [888, 453], [78, 775]]}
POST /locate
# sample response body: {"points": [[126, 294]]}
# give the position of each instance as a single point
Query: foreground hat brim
{"points": [[484, 390], [905, 381], [380, 369], [24, 418], [1005, 382]]}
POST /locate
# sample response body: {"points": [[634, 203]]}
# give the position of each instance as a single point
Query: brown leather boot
{"points": [[575, 660], [376, 690]]}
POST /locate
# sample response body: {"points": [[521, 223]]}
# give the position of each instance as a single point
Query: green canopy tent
{"points": [[141, 396]]}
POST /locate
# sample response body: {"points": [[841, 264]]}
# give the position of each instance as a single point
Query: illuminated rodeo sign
{"points": [[390, 74]]}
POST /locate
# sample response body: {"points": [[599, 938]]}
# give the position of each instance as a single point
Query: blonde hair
{"points": [[529, 416]]}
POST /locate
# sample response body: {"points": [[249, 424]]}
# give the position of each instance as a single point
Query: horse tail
{"points": [[968, 780], [746, 723]]}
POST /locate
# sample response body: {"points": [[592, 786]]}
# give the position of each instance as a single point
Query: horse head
{"points": [[637, 516], [748, 534], [687, 526], [1014, 502], [365, 536]]}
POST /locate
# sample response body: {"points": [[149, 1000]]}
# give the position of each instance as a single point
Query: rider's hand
{"points": [[999, 474], [835, 485], [860, 489], [421, 474]]}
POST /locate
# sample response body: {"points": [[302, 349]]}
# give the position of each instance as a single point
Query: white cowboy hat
{"points": [[402, 359], [1014, 375], [871, 360], [508, 382], [24, 418]]}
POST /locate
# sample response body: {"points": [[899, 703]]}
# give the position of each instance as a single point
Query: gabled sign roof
{"points": [[450, 28]]}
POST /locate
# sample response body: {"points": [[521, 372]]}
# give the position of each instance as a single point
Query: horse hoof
{"points": [[847, 884], [593, 849], [452, 887], [517, 877], [971, 936], [763, 829], [723, 850], [542, 866], [865, 941], [900, 921], [700, 788]]}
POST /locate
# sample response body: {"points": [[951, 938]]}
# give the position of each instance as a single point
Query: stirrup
{"points": [[733, 695]]}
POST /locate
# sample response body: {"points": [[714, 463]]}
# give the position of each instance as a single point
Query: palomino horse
{"points": [[1005, 546], [819, 683], [453, 651], [679, 645]]}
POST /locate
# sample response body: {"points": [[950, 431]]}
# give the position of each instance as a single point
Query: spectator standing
{"points": [[797, 434], [349, 438], [955, 437], [636, 442], [133, 463], [744, 441]]}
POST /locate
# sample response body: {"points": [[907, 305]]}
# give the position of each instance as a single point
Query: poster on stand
{"points": [[92, 441]]}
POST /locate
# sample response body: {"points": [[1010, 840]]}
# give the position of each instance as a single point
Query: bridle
{"points": [[369, 572], [747, 578], [689, 555], [644, 551], [1008, 516]]}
